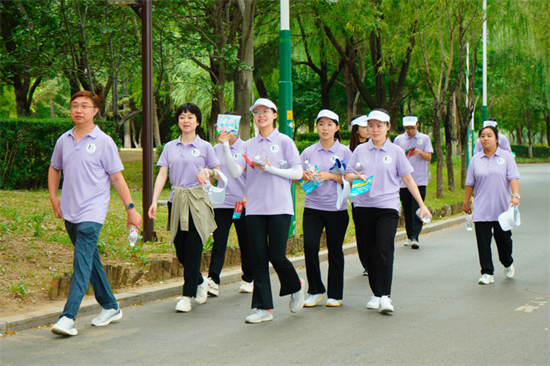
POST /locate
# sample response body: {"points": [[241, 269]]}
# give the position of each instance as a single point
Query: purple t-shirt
{"points": [[86, 168], [184, 161], [324, 197], [503, 143], [235, 186], [266, 193], [421, 142], [490, 177], [388, 164]]}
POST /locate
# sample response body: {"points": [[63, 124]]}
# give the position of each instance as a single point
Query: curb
{"points": [[139, 296]]}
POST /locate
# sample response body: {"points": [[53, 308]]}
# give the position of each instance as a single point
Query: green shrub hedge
{"points": [[538, 151], [26, 147]]}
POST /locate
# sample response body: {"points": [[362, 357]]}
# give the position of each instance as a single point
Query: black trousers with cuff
{"points": [[413, 224], [358, 239], [269, 235], [503, 239], [224, 219]]}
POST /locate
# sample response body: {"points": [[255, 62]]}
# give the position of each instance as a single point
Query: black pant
{"points": [[269, 235], [504, 245], [336, 224], [413, 224], [377, 227], [358, 239], [224, 219], [189, 252]]}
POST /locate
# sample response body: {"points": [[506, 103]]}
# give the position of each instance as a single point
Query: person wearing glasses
{"points": [[190, 213], [377, 209], [273, 162], [90, 162], [418, 149]]}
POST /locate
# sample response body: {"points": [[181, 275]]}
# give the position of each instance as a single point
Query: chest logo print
{"points": [[90, 148], [236, 156], [333, 158], [419, 142], [195, 152], [500, 161], [274, 148], [386, 159]]}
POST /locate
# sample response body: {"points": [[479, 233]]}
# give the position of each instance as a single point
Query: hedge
{"points": [[538, 151], [26, 147]]}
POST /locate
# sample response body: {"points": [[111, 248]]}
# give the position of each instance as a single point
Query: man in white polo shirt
{"points": [[90, 162]]}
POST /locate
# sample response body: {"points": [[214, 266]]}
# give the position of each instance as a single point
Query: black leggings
{"points": [[269, 235], [336, 224]]}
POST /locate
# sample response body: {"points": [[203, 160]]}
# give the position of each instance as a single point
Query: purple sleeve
{"points": [[347, 156], [164, 159], [511, 168], [211, 157], [240, 160], [110, 159], [57, 156], [403, 165], [397, 140], [505, 144], [303, 157], [352, 162], [292, 154], [477, 148], [470, 175], [429, 148]]}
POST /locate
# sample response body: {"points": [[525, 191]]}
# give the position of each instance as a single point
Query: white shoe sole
{"points": [[64, 332], [415, 245], [183, 310], [333, 305], [213, 292], [318, 300], [270, 318], [116, 317], [386, 310]]}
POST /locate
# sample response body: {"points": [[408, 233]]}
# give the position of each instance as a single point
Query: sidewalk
{"points": [[139, 296]]}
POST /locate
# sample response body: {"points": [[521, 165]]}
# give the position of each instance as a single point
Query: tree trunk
{"points": [[528, 114], [350, 93], [547, 118], [156, 131], [217, 75], [449, 145], [439, 152], [260, 86], [127, 135], [519, 134], [52, 112]]}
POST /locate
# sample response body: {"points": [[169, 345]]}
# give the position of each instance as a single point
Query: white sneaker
{"points": [[333, 302], [374, 303], [184, 304], [415, 244], [312, 300], [258, 316], [64, 326], [213, 287], [407, 242], [105, 317], [486, 279], [202, 292], [385, 305], [246, 287], [297, 299], [509, 271]]}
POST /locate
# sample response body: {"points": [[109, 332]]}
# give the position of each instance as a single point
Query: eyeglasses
{"points": [[265, 112], [84, 107]]}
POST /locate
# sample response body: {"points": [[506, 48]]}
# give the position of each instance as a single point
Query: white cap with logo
{"points": [[328, 114], [410, 121], [263, 102], [489, 123], [379, 115], [360, 121]]}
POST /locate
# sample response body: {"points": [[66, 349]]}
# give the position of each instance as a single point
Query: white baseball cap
{"points": [[489, 123], [410, 121], [328, 114], [263, 102], [360, 121], [379, 115]]}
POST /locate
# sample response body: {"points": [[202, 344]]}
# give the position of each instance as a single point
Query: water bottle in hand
{"points": [[425, 219], [469, 222], [133, 236], [358, 168], [260, 159], [310, 169], [205, 183]]}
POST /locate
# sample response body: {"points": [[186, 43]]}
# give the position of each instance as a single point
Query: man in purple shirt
{"points": [[418, 149], [90, 162]]}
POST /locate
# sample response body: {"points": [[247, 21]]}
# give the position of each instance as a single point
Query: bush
{"points": [[538, 151], [26, 149]]}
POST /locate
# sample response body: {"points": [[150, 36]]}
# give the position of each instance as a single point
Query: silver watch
{"points": [[516, 195]]}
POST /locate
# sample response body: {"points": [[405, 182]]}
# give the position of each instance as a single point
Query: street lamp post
{"points": [[144, 9]]}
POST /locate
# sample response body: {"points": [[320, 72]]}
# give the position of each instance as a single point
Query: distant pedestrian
{"points": [[418, 149], [503, 142], [89, 161], [377, 209], [492, 173], [189, 159], [276, 162], [321, 212]]}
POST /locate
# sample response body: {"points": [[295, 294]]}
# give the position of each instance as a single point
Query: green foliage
{"points": [[538, 151], [19, 289]]}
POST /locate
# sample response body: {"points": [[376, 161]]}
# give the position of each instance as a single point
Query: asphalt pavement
{"points": [[442, 316]]}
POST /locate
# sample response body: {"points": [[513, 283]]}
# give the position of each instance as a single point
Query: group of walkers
{"points": [[259, 173]]}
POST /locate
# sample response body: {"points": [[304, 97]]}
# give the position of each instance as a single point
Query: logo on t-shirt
{"points": [[386, 159], [419, 142], [500, 161], [274, 148], [195, 152], [236, 156], [90, 148], [333, 159]]}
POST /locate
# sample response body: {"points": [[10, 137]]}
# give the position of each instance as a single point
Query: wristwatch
{"points": [[129, 206], [516, 195]]}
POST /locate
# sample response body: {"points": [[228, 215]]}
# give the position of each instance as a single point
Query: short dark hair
{"points": [[86, 94], [494, 129], [411, 115], [190, 108]]}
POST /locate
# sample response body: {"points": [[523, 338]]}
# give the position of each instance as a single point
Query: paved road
{"points": [[442, 316]]}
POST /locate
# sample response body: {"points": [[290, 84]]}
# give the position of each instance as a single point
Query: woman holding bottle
{"points": [[377, 209], [191, 161], [268, 207], [493, 173], [321, 211]]}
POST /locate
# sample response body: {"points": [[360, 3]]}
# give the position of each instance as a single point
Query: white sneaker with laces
{"points": [[415, 244], [333, 303], [312, 300], [509, 271], [184, 304], [202, 292], [105, 317], [374, 303], [246, 287], [486, 279], [385, 305], [258, 316], [213, 287], [407, 242], [64, 326], [297, 299]]}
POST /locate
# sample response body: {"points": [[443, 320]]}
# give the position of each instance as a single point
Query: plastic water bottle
{"points": [[425, 219], [283, 164], [311, 170], [469, 222], [133, 236], [205, 183], [358, 168], [260, 159]]}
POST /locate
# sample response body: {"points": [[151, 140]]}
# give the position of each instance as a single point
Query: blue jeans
{"points": [[87, 267]]}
